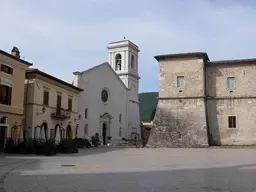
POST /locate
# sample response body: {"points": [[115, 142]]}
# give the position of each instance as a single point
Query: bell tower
{"points": [[123, 58]]}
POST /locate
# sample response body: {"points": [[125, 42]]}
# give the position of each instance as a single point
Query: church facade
{"points": [[109, 104]]}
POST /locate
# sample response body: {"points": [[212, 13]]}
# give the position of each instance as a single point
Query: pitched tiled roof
{"points": [[245, 61], [37, 71], [183, 55], [16, 58]]}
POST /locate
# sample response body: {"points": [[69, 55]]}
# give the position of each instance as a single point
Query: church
{"points": [[109, 104]]}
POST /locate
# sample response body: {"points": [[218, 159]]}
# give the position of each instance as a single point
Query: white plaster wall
{"points": [[134, 117], [130, 78], [93, 81]]}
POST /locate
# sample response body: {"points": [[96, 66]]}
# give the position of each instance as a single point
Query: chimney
{"points": [[15, 52]]}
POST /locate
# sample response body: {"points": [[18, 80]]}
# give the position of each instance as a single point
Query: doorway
{"points": [[2, 137], [68, 132], [104, 133]]}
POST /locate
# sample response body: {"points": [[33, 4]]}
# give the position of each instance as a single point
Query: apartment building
{"points": [[50, 105], [12, 78]]}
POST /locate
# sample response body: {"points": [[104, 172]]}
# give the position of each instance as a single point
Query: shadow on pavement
{"points": [[82, 152], [92, 151], [221, 179]]}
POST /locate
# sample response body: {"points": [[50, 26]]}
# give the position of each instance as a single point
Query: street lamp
{"points": [[43, 111]]}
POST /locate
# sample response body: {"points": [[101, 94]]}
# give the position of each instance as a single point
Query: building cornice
{"points": [[36, 74], [2, 114], [208, 97], [230, 97], [175, 98], [127, 73], [15, 58], [46, 106], [134, 101]]}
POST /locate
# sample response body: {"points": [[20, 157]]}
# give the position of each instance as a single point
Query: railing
{"points": [[60, 113]]}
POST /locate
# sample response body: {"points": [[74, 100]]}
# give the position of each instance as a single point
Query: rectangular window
{"points": [[85, 113], [180, 82], [46, 98], [231, 82], [232, 122], [5, 95], [58, 104], [70, 104], [6, 69]]}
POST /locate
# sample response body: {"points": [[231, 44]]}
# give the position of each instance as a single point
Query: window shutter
{"points": [[70, 104], [11, 70], [2, 67], [1, 97], [10, 96], [46, 97], [234, 122]]}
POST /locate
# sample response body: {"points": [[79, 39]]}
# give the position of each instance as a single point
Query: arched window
{"points": [[118, 62], [120, 117], [132, 62], [120, 132], [85, 112], [44, 130]]}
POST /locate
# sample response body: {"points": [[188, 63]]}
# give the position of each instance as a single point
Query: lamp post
{"points": [[37, 126], [78, 117], [43, 111], [77, 126]]}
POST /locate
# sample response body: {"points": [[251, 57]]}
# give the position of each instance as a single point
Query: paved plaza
{"points": [[133, 170]]}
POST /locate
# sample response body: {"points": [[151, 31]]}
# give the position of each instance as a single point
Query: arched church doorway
{"points": [[104, 133]]}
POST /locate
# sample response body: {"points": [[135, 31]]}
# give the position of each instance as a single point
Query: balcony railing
{"points": [[60, 113]]}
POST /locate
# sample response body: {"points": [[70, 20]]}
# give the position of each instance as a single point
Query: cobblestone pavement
{"points": [[137, 170]]}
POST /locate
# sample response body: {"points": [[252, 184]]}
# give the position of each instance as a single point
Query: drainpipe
{"points": [[25, 111], [205, 106], [127, 115]]}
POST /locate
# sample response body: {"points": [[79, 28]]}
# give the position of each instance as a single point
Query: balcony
{"points": [[60, 113]]}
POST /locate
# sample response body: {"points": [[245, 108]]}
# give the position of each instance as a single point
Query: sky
{"points": [[63, 36]]}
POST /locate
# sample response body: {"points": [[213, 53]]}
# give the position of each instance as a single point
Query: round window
{"points": [[104, 96]]}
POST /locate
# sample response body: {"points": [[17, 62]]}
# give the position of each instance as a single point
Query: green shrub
{"points": [[95, 140], [81, 143], [31, 147], [49, 147], [67, 146], [26, 147], [11, 147]]}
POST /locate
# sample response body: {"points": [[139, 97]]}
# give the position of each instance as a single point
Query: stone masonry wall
{"points": [[239, 101], [245, 112], [180, 119], [179, 123]]}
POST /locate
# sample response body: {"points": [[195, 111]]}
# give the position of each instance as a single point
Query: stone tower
{"points": [[180, 119], [123, 58]]}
